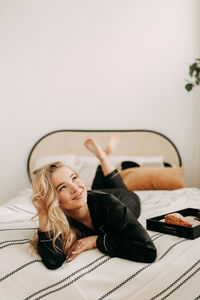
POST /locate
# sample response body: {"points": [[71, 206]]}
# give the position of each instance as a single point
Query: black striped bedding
{"points": [[93, 276]]}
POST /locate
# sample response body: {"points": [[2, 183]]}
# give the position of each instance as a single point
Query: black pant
{"points": [[113, 184]]}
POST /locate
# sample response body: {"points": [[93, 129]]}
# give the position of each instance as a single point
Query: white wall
{"points": [[88, 64]]}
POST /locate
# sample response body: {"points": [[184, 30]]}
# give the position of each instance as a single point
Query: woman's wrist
{"points": [[43, 223]]}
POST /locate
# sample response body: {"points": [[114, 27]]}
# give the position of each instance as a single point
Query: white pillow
{"points": [[87, 169], [69, 160], [86, 166], [143, 161]]}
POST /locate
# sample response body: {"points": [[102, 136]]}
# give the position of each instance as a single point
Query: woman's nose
{"points": [[73, 188]]}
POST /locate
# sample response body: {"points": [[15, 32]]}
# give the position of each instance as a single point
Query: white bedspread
{"points": [[92, 275]]}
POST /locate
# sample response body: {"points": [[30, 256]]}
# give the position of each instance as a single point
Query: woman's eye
{"points": [[74, 178], [62, 188]]}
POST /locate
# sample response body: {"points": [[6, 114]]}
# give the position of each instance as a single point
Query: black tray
{"points": [[156, 224]]}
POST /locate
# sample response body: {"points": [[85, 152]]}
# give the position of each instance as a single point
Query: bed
{"points": [[92, 275]]}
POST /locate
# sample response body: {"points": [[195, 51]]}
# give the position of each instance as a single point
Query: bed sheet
{"points": [[92, 275]]}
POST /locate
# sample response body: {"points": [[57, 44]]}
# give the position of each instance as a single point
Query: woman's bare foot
{"points": [[93, 147], [112, 143], [105, 163]]}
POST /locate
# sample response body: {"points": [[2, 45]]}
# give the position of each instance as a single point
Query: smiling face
{"points": [[71, 189]]}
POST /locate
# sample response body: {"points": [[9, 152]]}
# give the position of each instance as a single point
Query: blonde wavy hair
{"points": [[45, 198]]}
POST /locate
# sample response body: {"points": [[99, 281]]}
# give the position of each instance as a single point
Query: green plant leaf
{"points": [[192, 68], [194, 73], [189, 86]]}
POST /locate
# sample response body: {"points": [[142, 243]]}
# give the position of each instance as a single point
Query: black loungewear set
{"points": [[114, 211]]}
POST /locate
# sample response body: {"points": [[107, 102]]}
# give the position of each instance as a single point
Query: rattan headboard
{"points": [[132, 142]]}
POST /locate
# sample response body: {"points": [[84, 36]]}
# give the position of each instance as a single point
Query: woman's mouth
{"points": [[79, 196]]}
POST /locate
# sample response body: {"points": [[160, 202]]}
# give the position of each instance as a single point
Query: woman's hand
{"points": [[82, 245]]}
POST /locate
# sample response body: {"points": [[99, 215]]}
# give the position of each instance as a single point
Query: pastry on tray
{"points": [[177, 219]]}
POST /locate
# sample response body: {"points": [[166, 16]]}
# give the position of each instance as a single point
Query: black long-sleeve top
{"points": [[119, 233]]}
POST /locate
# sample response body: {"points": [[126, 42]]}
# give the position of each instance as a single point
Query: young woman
{"points": [[72, 219]]}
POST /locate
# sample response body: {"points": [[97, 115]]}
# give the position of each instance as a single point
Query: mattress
{"points": [[93, 275]]}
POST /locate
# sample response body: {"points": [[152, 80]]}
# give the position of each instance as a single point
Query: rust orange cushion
{"points": [[153, 178]]}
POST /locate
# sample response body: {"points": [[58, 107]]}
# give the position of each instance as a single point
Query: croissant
{"points": [[178, 219]]}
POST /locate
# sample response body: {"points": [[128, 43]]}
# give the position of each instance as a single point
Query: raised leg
{"points": [[112, 143], [105, 162], [106, 176]]}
